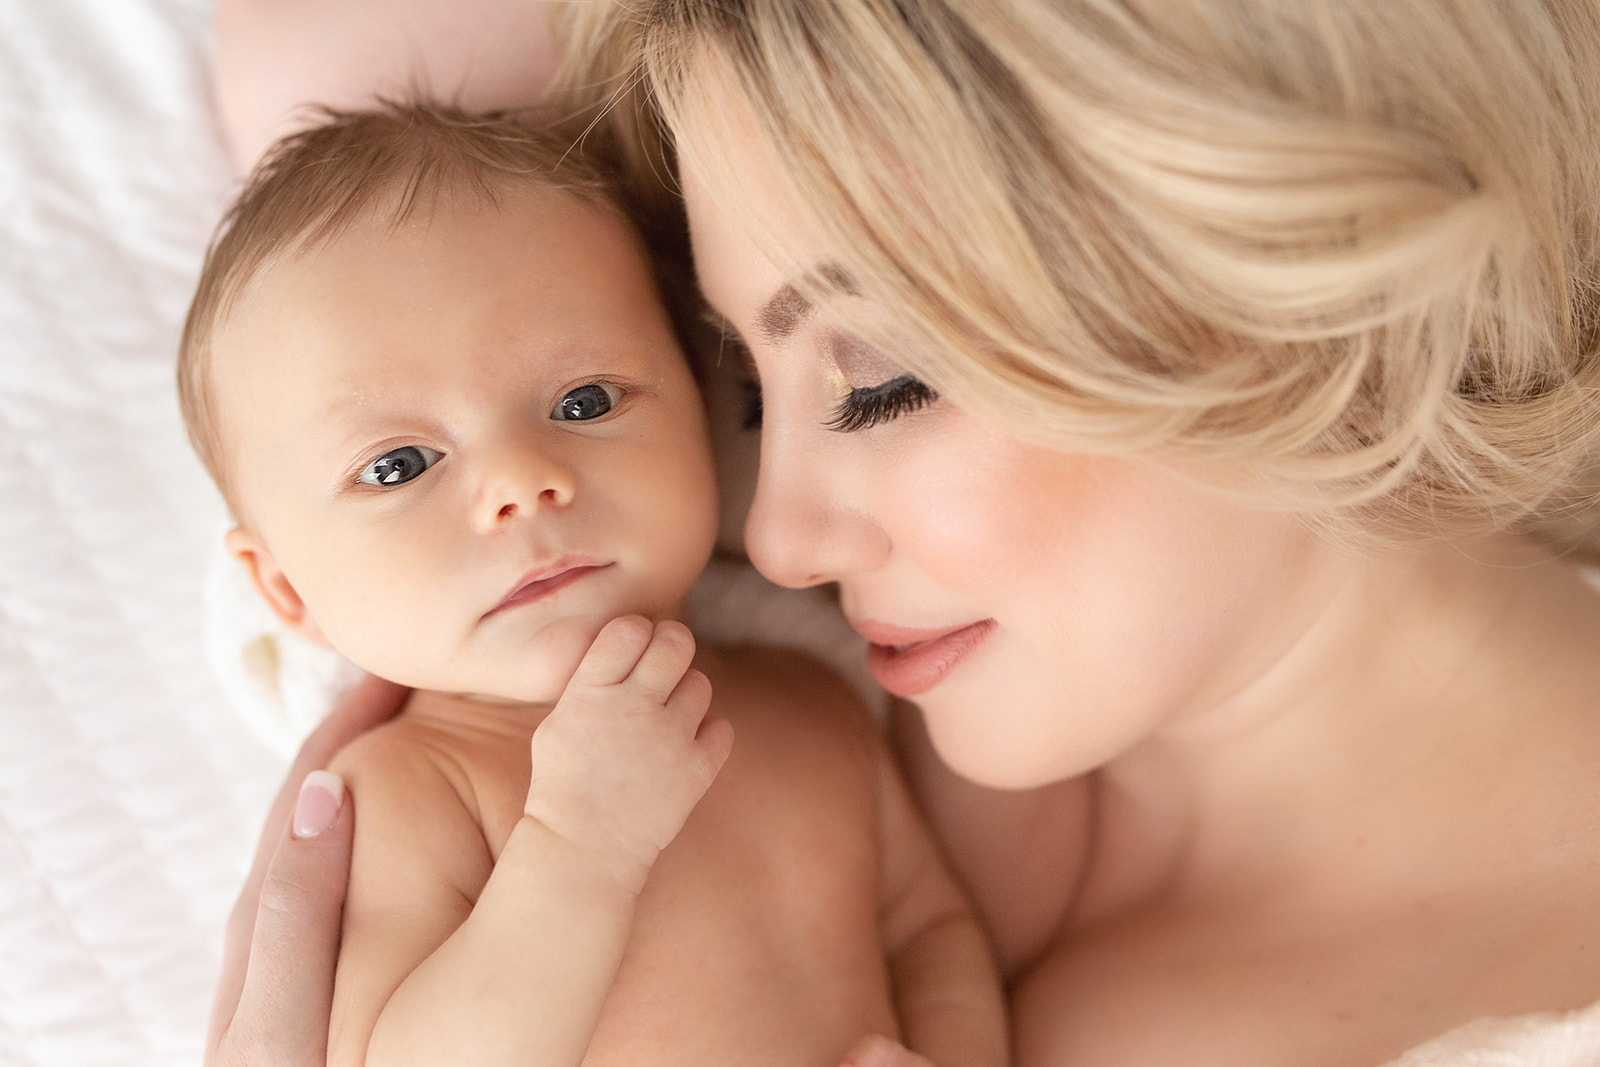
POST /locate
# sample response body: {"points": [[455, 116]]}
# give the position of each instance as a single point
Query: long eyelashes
{"points": [[862, 409], [873, 404]]}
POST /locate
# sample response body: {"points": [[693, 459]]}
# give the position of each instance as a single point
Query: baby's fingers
{"points": [[713, 743], [615, 651], [691, 696], [661, 669], [712, 735]]}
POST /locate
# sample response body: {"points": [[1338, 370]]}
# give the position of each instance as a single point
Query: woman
{"points": [[1170, 388]]}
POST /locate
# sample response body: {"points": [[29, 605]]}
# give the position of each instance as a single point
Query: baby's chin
{"points": [[533, 669]]}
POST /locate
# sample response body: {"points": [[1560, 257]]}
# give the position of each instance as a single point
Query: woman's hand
{"points": [[875, 1050], [282, 939]]}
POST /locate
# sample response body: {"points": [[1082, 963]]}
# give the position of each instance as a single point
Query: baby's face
{"points": [[467, 443]]}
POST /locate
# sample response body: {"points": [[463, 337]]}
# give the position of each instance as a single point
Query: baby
{"points": [[429, 369]]}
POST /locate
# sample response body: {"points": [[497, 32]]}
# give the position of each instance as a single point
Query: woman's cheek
{"points": [[987, 512]]}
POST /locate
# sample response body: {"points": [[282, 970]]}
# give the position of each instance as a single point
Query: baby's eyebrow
{"points": [[346, 427]]}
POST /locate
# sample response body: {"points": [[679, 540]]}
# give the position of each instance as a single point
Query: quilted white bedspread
{"points": [[129, 793]]}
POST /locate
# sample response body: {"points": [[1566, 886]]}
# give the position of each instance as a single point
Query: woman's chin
{"points": [[979, 752], [1002, 744]]}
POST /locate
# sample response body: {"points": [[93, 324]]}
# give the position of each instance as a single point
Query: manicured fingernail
{"points": [[320, 796]]}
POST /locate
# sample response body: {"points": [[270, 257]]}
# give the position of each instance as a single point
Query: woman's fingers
{"points": [[288, 861], [275, 1007], [372, 702]]}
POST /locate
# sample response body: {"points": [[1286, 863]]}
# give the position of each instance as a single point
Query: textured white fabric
{"points": [[129, 794]]}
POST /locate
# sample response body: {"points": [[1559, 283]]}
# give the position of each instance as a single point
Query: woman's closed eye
{"points": [[398, 466], [867, 406], [861, 409]]}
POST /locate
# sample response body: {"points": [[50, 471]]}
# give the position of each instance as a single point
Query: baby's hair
{"points": [[1342, 256], [400, 159]]}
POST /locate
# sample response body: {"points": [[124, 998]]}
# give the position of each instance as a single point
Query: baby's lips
{"points": [[545, 581]]}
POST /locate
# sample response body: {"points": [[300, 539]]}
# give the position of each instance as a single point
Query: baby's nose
{"points": [[523, 482]]}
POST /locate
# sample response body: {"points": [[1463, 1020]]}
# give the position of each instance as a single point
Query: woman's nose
{"points": [[520, 480], [805, 527]]}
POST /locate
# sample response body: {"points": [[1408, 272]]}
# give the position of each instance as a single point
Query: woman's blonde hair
{"points": [[1339, 254]]}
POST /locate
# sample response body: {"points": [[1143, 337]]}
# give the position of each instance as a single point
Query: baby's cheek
{"points": [[672, 522], [374, 609], [368, 632]]}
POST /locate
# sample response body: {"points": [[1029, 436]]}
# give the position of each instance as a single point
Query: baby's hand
{"points": [[628, 750]]}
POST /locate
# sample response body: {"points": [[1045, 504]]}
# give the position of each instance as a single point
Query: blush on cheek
{"points": [[1015, 513]]}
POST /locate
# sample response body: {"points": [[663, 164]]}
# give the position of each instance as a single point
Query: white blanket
{"points": [[130, 790], [129, 793]]}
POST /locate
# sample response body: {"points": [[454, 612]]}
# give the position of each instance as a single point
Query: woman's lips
{"points": [[908, 662], [541, 583]]}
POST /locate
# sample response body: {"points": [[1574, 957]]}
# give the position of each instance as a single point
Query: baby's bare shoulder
{"points": [[756, 683], [794, 719], [403, 748], [424, 798], [423, 765]]}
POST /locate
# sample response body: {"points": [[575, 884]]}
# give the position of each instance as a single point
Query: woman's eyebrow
{"points": [[785, 310], [782, 314]]}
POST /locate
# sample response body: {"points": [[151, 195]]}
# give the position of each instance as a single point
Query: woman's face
{"points": [[1047, 611]]}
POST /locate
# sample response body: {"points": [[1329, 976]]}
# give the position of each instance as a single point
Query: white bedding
{"points": [[129, 793]]}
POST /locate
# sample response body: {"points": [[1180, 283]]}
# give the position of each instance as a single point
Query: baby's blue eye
{"points": [[586, 402], [399, 466]]}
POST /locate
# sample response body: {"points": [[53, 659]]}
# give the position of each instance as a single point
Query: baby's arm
{"points": [[520, 976], [947, 988]]}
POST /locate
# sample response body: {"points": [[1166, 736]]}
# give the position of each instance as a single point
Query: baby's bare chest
{"points": [[756, 937]]}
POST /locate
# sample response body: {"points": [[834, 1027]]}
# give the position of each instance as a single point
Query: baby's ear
{"points": [[273, 585]]}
